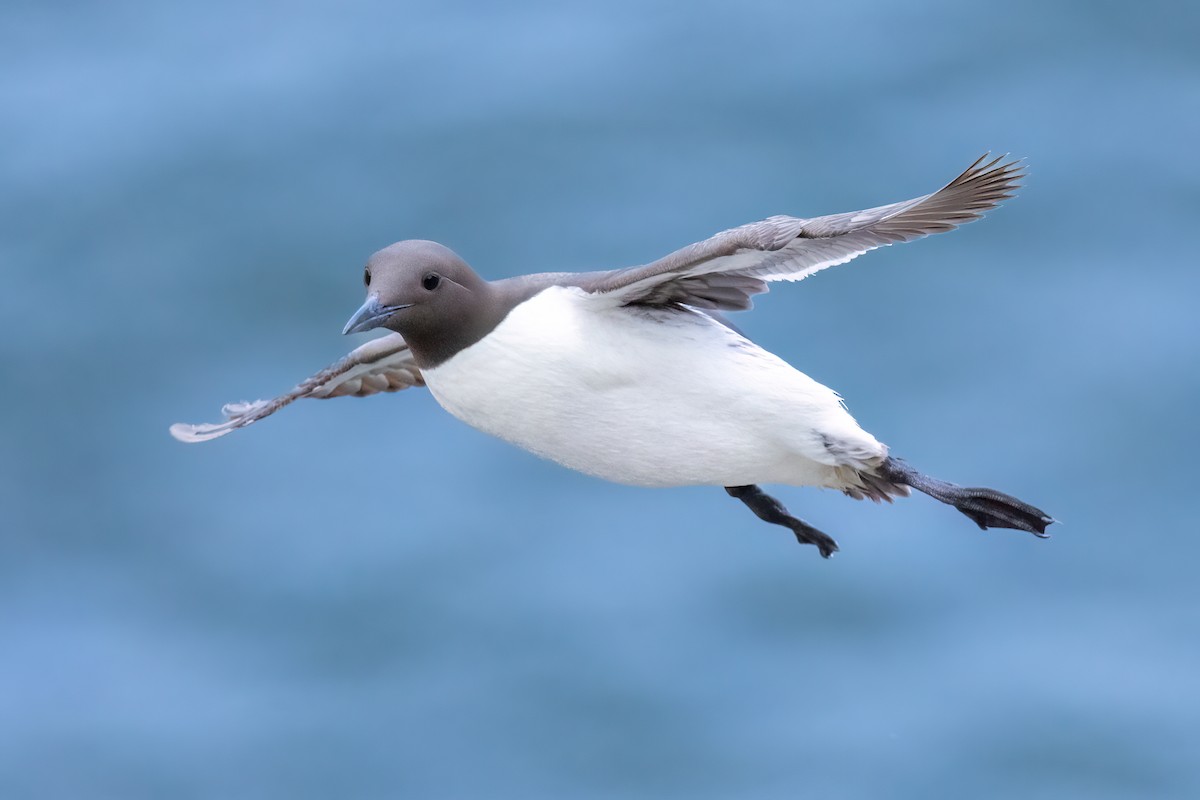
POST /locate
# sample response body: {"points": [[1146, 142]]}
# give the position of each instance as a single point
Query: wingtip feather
{"points": [[190, 434], [237, 415]]}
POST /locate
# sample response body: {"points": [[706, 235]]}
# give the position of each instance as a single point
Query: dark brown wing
{"points": [[381, 365], [724, 271]]}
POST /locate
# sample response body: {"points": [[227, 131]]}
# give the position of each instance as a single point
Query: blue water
{"points": [[366, 599]]}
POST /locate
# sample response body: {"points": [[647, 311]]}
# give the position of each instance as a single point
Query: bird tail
{"points": [[987, 507]]}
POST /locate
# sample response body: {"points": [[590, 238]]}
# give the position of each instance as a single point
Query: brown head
{"points": [[426, 293]]}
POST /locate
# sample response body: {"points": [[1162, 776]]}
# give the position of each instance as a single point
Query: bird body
{"points": [[631, 376], [650, 397]]}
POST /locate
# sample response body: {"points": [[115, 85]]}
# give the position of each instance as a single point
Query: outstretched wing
{"points": [[724, 271], [381, 365]]}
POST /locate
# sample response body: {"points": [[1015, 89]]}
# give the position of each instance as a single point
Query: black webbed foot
{"points": [[768, 509], [987, 508]]}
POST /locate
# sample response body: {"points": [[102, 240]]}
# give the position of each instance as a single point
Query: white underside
{"points": [[650, 397]]}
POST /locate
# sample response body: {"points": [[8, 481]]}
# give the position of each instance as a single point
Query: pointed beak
{"points": [[371, 315]]}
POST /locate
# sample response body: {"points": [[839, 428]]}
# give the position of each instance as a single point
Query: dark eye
{"points": [[431, 281], [366, 277]]}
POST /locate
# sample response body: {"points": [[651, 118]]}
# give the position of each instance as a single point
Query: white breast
{"points": [[651, 397]]}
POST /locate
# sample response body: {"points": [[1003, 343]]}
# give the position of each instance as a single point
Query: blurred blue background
{"points": [[367, 599]]}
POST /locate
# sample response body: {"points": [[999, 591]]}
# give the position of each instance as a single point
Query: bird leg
{"points": [[768, 509], [987, 507]]}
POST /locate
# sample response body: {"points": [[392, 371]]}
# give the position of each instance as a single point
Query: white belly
{"points": [[649, 397]]}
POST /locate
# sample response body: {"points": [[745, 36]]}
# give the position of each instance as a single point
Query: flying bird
{"points": [[635, 376]]}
